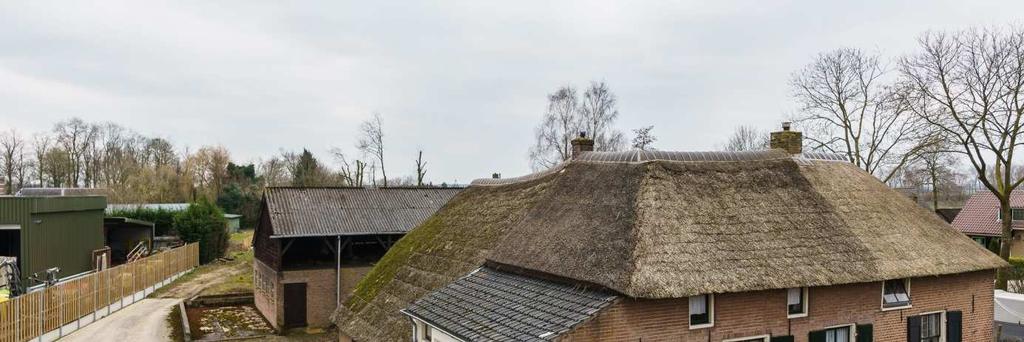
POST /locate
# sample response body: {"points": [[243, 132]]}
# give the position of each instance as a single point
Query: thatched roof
{"points": [[670, 226]]}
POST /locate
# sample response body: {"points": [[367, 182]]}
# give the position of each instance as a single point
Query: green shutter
{"points": [[816, 336], [954, 329], [782, 339], [914, 329], [864, 333]]}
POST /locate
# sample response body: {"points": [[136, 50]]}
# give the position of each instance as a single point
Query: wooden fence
{"points": [[51, 313]]}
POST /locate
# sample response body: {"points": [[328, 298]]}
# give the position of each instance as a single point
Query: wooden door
{"points": [[295, 305]]}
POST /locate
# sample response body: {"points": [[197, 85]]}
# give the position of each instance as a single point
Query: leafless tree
{"points": [[936, 168], [969, 86], [847, 108], [747, 138], [352, 171], [643, 138], [40, 146], [12, 150], [567, 116], [421, 169], [598, 111], [75, 137], [371, 142]]}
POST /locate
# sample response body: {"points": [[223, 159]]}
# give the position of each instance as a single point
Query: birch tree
{"points": [[969, 86], [567, 116]]}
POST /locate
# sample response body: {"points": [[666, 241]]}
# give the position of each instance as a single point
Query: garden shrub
{"points": [[203, 222]]}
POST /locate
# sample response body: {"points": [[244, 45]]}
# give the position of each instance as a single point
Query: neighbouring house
{"points": [[980, 220], [312, 245], [51, 231], [762, 246]]}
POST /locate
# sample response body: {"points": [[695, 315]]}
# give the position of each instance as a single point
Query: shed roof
{"points": [[670, 226], [980, 213], [329, 211], [491, 305]]}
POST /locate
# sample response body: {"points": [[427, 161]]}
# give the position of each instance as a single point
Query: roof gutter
{"points": [[333, 235]]}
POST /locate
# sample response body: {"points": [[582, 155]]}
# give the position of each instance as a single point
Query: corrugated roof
{"points": [[346, 211], [980, 215], [491, 305]]}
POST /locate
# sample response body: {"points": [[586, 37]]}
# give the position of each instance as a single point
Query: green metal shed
{"points": [[45, 232]]}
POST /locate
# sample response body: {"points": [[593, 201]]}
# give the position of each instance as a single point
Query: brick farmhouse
{"points": [[775, 245]]}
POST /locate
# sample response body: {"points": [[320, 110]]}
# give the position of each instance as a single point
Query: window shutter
{"points": [[954, 329], [914, 329], [816, 336], [782, 339], [864, 333]]}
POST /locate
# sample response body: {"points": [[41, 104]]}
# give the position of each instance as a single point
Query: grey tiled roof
{"points": [[341, 211], [491, 305]]}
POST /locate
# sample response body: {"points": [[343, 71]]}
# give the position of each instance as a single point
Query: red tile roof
{"points": [[979, 216]]}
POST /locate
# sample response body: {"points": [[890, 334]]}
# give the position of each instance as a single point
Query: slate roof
{"points": [[492, 305], [980, 214], [327, 211]]}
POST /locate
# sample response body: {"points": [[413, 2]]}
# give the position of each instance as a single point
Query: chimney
{"points": [[788, 140], [495, 175], [582, 144]]}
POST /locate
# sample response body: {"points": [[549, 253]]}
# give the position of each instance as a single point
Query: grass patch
{"points": [[240, 255], [174, 320]]}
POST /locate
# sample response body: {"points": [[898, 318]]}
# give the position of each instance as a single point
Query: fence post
{"points": [[42, 314], [17, 319]]}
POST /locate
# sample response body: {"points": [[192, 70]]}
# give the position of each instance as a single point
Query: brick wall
{"points": [[764, 312], [265, 292], [350, 277], [320, 294]]}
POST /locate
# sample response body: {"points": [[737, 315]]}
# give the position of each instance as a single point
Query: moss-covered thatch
{"points": [[450, 244], [697, 223]]}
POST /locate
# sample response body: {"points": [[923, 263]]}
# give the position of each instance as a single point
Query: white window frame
{"points": [[942, 323], [765, 338], [906, 285], [852, 329], [711, 312], [806, 296]]}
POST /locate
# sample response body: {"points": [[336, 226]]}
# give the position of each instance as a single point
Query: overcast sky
{"points": [[464, 82]]}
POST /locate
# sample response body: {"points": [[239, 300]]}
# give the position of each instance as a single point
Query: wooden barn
{"points": [[312, 245]]}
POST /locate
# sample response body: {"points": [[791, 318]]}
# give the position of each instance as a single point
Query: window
{"points": [[702, 311], [796, 302], [895, 294], [1016, 213], [426, 334], [842, 333], [931, 327], [839, 334]]}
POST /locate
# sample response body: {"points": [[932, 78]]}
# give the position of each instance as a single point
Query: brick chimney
{"points": [[788, 140], [582, 144]]}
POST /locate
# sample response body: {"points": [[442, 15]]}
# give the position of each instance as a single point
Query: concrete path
{"points": [[145, 320]]}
